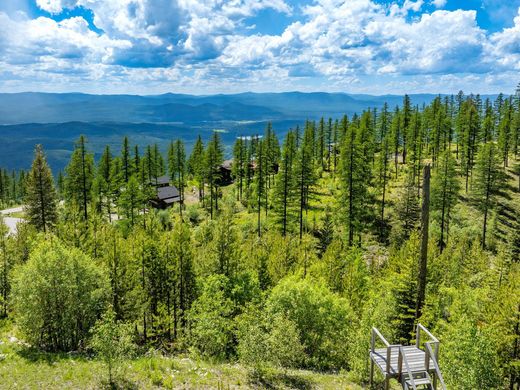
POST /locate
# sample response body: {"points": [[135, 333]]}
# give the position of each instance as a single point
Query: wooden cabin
{"points": [[225, 173], [167, 194]]}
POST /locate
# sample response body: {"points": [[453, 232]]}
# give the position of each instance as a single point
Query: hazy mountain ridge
{"points": [[34, 107], [56, 120]]}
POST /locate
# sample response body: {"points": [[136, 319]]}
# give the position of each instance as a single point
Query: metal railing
{"points": [[438, 375], [402, 358]]}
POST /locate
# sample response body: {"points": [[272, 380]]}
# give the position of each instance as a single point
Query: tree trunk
{"points": [[425, 220]]}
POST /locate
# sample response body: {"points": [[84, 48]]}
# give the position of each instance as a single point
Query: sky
{"points": [[214, 46]]}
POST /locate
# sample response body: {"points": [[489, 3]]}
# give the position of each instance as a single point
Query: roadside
{"points": [[12, 218]]}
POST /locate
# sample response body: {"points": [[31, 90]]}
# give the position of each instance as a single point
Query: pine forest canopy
{"points": [[328, 228]]}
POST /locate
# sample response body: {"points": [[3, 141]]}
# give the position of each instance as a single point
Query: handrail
{"points": [[438, 374], [402, 358], [376, 332], [418, 335]]}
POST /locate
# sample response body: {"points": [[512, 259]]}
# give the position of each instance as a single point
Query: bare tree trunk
{"points": [[425, 220]]}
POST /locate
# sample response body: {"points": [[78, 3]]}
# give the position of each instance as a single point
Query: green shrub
{"points": [[112, 342], [210, 319], [265, 340], [322, 319], [58, 295]]}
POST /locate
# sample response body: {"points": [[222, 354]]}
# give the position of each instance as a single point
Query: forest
{"points": [[318, 237]]}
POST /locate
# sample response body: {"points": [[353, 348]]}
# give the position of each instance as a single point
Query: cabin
{"points": [[225, 173], [166, 194]]}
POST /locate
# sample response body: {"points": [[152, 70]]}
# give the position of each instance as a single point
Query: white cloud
{"points": [[439, 3], [207, 44], [504, 46]]}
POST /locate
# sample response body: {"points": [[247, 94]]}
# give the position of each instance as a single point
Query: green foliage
{"points": [[41, 199], [264, 340], [112, 342], [57, 296], [321, 318], [80, 177], [211, 324]]}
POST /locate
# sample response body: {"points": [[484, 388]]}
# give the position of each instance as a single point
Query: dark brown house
{"points": [[167, 194]]}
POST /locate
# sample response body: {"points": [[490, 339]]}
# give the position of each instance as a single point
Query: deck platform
{"points": [[414, 366], [415, 356]]}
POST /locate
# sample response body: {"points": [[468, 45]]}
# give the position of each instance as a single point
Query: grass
{"points": [[24, 367]]}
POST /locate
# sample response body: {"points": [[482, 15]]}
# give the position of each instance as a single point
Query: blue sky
{"points": [[216, 46]]}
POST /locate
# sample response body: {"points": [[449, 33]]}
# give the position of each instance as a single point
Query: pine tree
{"points": [[238, 167], [445, 188], [285, 185], [213, 157], [468, 138], [196, 165], [407, 209], [488, 182], [504, 131], [260, 184], [177, 167], [407, 115], [41, 201], [320, 146], [131, 199], [80, 177], [305, 172], [354, 180], [105, 180], [126, 160], [395, 130], [5, 270], [382, 175], [183, 272]]}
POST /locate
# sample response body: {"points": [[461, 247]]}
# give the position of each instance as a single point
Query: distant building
{"points": [[167, 194], [225, 172]]}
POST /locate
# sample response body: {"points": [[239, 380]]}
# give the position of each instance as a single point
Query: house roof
{"points": [[169, 192], [227, 164], [163, 180]]}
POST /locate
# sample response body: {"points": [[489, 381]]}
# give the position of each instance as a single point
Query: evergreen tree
{"points": [[105, 181], [382, 179], [354, 183], [445, 188], [185, 277], [126, 160], [239, 164], [213, 157], [488, 182], [504, 131], [305, 172], [196, 165], [131, 199], [260, 184], [395, 130], [80, 177], [407, 116], [468, 123], [407, 209], [177, 167], [41, 200], [285, 185]]}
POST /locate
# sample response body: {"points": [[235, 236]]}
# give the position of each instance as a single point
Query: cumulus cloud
{"points": [[439, 3], [209, 42]]}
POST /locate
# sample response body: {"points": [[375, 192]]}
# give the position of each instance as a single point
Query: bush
{"points": [[112, 342], [211, 319], [58, 295], [265, 340], [322, 320]]}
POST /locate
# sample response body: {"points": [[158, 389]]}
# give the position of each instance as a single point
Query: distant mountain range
{"points": [[56, 120]]}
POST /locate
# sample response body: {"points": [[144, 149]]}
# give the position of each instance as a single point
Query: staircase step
{"points": [[419, 382]]}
